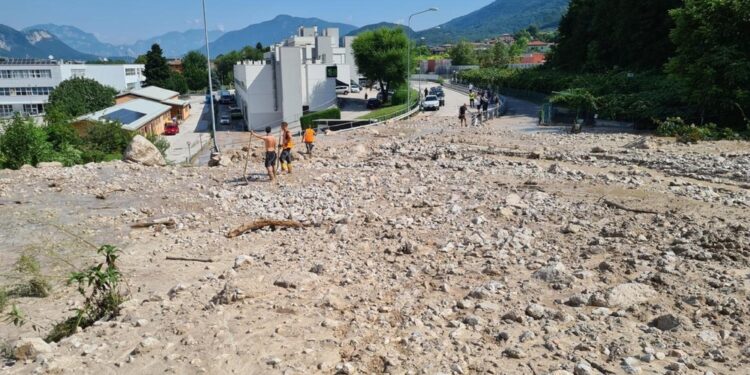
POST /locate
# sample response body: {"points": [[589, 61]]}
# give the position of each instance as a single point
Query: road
{"points": [[193, 133]]}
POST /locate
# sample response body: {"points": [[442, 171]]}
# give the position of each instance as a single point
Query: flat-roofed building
{"points": [[25, 84], [138, 115], [180, 107]]}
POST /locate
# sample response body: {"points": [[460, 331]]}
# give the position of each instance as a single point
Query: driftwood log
{"points": [[260, 224], [191, 259], [619, 206], [166, 221]]}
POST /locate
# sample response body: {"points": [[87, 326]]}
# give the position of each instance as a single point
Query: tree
{"points": [[141, 59], [259, 46], [78, 96], [225, 63], [598, 35], [157, 70], [579, 99], [381, 56], [463, 54], [23, 142], [176, 82], [713, 58], [195, 71]]}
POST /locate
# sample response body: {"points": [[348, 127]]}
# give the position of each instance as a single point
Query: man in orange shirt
{"points": [[286, 148], [309, 138]]}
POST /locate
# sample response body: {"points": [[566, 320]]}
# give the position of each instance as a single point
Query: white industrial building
{"points": [[25, 84], [299, 75]]}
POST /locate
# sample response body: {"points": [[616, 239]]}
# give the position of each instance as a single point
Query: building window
{"points": [[131, 85], [33, 109], [78, 73], [22, 74], [25, 91], [6, 110], [131, 72]]}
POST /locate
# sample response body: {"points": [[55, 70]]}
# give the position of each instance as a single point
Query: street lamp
{"points": [[210, 84], [408, 56]]}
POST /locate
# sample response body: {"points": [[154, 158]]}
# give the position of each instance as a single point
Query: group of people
{"points": [[287, 143], [482, 104]]}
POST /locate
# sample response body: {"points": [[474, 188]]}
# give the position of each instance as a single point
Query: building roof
{"points": [[153, 93], [177, 102], [537, 43], [133, 114]]}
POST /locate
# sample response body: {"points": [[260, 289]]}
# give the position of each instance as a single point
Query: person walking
{"points": [[308, 138], [365, 97], [472, 97], [462, 114], [485, 105], [269, 142], [286, 148], [426, 92]]}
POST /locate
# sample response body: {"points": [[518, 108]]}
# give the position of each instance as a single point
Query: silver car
{"points": [[431, 102]]}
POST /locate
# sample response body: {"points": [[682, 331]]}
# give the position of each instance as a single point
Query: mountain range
{"points": [[37, 44], [272, 31], [69, 42]]}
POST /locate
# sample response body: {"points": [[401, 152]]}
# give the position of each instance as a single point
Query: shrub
{"points": [[160, 142], [307, 121], [3, 299], [102, 299], [108, 137], [34, 284], [23, 142], [399, 96]]}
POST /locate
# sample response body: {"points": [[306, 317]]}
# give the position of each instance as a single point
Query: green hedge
{"points": [[307, 121]]}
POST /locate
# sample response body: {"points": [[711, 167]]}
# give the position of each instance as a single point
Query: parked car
{"points": [[225, 120], [431, 102], [355, 88], [342, 90], [172, 129], [373, 103]]}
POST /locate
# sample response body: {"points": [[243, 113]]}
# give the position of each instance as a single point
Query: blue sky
{"points": [[124, 21]]}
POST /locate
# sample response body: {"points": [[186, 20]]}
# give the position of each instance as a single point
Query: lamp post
{"points": [[408, 56], [210, 83]]}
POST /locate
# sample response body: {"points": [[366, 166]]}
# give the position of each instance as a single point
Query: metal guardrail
{"points": [[326, 124]]}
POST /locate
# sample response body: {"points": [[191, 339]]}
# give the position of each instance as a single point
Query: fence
{"points": [[340, 125]]}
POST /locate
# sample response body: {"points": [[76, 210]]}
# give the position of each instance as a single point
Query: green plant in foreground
{"points": [[34, 285], [99, 285], [3, 299]]}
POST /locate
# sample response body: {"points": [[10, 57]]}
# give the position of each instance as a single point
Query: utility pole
{"points": [[408, 57], [210, 82]]}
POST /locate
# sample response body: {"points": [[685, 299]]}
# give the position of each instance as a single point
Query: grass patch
{"points": [[383, 112], [3, 299]]}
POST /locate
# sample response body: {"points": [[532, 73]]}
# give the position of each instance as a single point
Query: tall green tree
{"points": [[78, 96], [157, 70], [381, 56], [713, 58], [225, 63], [598, 35], [195, 71], [463, 54]]}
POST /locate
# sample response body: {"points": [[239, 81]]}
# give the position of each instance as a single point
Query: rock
{"points": [[30, 348], [536, 311], [666, 322], [344, 368], [229, 294], [50, 165], [560, 372], [641, 144], [626, 295], [597, 150], [515, 352], [583, 368], [514, 200], [472, 320], [629, 366], [358, 150], [146, 345], [241, 262], [554, 273], [317, 269], [710, 337], [141, 151]]}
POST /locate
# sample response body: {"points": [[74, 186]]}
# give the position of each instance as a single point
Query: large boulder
{"points": [[142, 151], [30, 348], [625, 295]]}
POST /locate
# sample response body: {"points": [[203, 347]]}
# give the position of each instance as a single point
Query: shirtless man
{"points": [[270, 144]]}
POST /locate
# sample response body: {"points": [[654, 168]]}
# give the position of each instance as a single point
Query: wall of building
{"points": [[353, 71], [156, 126], [290, 83], [54, 74], [256, 95], [324, 49], [319, 90], [120, 77]]}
